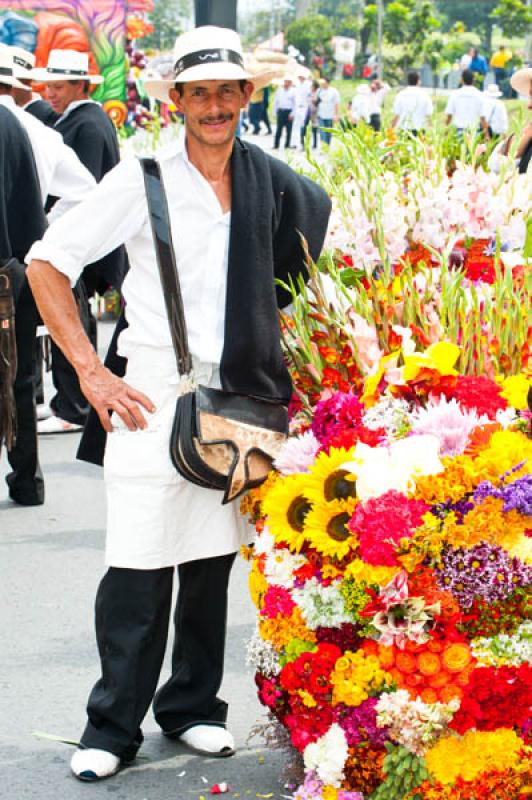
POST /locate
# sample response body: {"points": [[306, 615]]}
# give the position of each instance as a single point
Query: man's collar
{"points": [[75, 104]]}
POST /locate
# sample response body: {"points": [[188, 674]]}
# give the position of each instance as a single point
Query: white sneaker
{"points": [[44, 411], [93, 765], [57, 425], [209, 740]]}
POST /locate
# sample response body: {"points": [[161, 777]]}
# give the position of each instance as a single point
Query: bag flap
{"points": [[242, 408]]}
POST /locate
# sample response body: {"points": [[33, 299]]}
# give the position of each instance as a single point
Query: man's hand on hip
{"points": [[108, 393]]}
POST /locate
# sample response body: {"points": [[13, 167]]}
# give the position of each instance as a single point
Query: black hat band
{"points": [[212, 56]]}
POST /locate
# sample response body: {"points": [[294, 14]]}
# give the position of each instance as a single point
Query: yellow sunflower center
{"points": [[297, 511], [337, 527], [338, 487]]}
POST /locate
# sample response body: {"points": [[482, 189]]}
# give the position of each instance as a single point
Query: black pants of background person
{"points": [[25, 482], [375, 122], [132, 614], [283, 123], [264, 117], [69, 403]]}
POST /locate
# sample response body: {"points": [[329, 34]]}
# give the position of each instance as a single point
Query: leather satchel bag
{"points": [[220, 440]]}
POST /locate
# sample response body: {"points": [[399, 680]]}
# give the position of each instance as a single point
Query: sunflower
{"points": [[286, 505], [327, 480], [326, 528]]}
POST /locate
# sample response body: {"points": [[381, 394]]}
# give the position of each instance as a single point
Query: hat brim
{"points": [[14, 83], [159, 89], [41, 75], [521, 81]]}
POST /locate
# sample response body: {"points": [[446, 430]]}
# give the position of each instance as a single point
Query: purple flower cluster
{"points": [[460, 508], [485, 571], [516, 495], [345, 636], [360, 723]]}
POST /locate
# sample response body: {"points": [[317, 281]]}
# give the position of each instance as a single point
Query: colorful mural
{"points": [[99, 27]]}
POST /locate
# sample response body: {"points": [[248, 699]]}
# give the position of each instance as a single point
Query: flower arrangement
{"points": [[393, 560]]}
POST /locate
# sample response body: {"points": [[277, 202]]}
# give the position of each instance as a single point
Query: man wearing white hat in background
{"points": [[236, 216], [284, 108], [494, 113], [521, 81], [60, 173], [302, 114], [30, 101], [86, 128], [360, 107]]}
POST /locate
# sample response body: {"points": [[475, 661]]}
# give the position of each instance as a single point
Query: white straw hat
{"points": [[206, 53], [493, 90], [521, 81], [363, 88], [7, 76], [66, 65], [23, 63]]}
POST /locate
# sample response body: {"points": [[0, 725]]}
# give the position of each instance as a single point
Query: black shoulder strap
{"points": [[164, 249]]}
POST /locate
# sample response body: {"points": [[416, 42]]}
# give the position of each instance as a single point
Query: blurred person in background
{"points": [[412, 107]]}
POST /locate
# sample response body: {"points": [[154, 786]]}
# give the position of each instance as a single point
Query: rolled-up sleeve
{"points": [[113, 212]]}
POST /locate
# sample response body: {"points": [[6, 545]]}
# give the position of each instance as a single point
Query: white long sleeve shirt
{"points": [[59, 170], [412, 106], [285, 100], [116, 212]]}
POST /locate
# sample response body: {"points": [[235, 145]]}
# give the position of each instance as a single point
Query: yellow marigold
{"points": [[329, 793], [258, 585], [515, 390], [307, 698], [355, 677], [330, 571], [367, 573], [506, 449], [487, 522], [475, 753], [458, 478], [281, 630]]}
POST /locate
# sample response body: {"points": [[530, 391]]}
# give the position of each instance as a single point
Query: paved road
{"points": [[50, 565]]}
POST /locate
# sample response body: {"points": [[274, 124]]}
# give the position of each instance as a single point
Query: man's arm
{"points": [[104, 391]]}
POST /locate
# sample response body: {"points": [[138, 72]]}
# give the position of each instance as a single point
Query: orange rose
{"points": [[450, 692], [439, 680], [386, 656], [434, 646], [428, 663], [429, 696], [456, 657], [405, 662]]}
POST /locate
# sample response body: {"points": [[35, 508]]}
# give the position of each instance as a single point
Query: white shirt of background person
{"points": [[360, 108], [412, 106], [494, 113], [465, 106], [329, 100]]}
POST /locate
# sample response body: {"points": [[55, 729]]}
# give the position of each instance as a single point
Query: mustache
{"points": [[218, 118]]}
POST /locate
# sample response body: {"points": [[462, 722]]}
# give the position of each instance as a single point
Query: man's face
{"points": [[21, 96], [211, 109], [287, 84], [61, 93]]}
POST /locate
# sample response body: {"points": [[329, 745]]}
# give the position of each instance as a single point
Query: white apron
{"points": [[155, 518]]}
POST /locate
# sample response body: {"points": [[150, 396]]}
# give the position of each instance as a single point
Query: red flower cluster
{"points": [[478, 393], [311, 671], [483, 619], [495, 698], [382, 522]]}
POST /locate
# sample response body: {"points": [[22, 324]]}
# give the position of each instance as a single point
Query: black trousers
{"points": [[132, 615], [283, 122], [69, 402], [25, 482]]}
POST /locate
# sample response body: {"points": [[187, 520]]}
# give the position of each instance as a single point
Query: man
{"points": [[284, 108], [360, 108], [29, 101], [328, 109], [465, 107], [479, 68], [498, 62], [302, 113], [378, 91], [21, 223], [236, 216], [60, 172], [412, 106], [496, 118], [87, 129]]}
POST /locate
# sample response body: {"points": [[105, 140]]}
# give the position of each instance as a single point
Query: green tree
{"points": [[345, 15], [407, 24], [476, 16], [513, 17], [310, 34], [166, 18]]}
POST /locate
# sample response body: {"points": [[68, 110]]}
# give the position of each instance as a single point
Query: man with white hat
{"points": [[87, 129], [29, 101], [360, 106], [60, 173], [284, 108], [236, 216], [494, 113]]}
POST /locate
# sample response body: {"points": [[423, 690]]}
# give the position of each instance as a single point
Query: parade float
{"points": [[391, 571], [105, 29]]}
